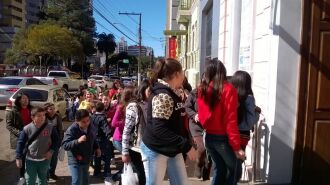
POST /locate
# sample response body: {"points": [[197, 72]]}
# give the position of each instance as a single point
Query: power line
{"points": [[99, 13]]}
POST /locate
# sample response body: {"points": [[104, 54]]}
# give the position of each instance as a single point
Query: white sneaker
{"points": [[21, 181]]}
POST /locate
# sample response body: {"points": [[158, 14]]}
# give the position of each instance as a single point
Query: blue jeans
{"points": [[53, 163], [106, 148], [156, 164], [79, 174], [118, 145], [224, 159]]}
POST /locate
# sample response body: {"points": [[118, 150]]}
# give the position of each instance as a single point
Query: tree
{"points": [[106, 43], [51, 41], [17, 52], [77, 16]]}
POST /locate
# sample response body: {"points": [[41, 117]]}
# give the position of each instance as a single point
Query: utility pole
{"points": [[140, 43]]}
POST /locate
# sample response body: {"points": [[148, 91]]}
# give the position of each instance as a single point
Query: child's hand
{"points": [[82, 139], [98, 153], [19, 163], [48, 155]]}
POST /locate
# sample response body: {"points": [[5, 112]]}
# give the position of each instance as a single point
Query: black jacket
{"points": [[195, 128], [100, 123], [79, 153], [163, 130], [14, 125]]}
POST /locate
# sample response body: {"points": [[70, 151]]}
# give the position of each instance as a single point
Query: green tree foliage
{"points": [[77, 16], [17, 52], [106, 43]]}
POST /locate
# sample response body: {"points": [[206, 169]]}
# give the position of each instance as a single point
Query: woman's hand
{"points": [[240, 154]]}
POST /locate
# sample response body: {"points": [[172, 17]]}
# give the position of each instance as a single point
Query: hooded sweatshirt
{"points": [[163, 130], [222, 118]]}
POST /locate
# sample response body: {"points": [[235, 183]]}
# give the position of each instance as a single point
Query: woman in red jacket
{"points": [[217, 111]]}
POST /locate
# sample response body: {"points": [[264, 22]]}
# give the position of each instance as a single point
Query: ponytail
{"points": [[165, 69]]}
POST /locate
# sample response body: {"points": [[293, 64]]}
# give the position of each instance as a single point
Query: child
{"points": [[39, 152], [54, 120], [99, 121], [80, 142], [88, 102]]}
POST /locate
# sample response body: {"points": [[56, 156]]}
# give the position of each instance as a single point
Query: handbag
{"points": [[128, 177]]}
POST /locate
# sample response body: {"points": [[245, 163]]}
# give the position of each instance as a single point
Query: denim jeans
{"points": [[79, 174], [156, 164], [224, 159], [53, 162], [106, 148], [118, 145], [36, 169]]}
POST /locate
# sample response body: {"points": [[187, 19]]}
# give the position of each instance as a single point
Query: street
{"points": [[9, 172]]}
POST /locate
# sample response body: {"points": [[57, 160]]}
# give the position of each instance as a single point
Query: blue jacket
{"points": [[80, 153], [250, 117]]}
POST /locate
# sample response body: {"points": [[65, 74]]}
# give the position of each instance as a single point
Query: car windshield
{"points": [[10, 81], [96, 77], [34, 94], [57, 74]]}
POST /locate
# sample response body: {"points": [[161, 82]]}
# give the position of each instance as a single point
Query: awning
{"points": [[175, 32]]}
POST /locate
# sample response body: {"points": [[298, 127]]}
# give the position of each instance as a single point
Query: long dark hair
{"points": [[128, 95], [241, 80], [18, 99], [141, 95], [215, 73], [165, 69]]}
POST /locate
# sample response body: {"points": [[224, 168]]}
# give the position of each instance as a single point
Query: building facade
{"points": [[121, 46], [16, 14], [135, 50], [284, 45]]}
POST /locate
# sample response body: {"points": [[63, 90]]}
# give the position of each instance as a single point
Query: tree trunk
{"points": [[106, 63]]}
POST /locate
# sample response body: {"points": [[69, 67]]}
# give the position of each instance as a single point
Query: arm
{"points": [[21, 142], [69, 141], [55, 140], [190, 108], [131, 119], [161, 114], [230, 98], [10, 121], [117, 120]]}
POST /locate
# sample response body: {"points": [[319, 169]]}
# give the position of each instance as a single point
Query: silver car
{"points": [[9, 85]]}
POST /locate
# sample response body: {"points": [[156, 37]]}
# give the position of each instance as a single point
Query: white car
{"points": [[101, 81], [41, 94], [127, 81]]}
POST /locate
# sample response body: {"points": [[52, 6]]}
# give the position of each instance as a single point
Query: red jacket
{"points": [[222, 119]]}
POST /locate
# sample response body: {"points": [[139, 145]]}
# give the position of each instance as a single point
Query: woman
{"points": [[114, 89], [163, 142], [16, 119], [247, 112], [88, 103], [135, 119], [217, 112]]}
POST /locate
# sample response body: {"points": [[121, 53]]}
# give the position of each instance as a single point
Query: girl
{"points": [[163, 141], [114, 89], [135, 119], [217, 112], [247, 112], [88, 103]]}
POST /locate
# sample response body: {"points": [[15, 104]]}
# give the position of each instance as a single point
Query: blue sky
{"points": [[153, 20]]}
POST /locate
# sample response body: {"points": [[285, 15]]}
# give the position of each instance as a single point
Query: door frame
{"points": [[303, 87]]}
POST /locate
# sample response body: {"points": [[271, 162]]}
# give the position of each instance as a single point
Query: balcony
{"points": [[184, 11]]}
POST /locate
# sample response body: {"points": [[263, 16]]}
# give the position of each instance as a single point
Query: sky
{"points": [[153, 21]]}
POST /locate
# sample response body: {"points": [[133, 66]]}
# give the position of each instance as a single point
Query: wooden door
{"points": [[312, 155]]}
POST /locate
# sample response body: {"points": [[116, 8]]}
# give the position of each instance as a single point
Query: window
{"points": [[16, 17], [33, 81], [57, 74], [19, 1], [15, 8], [34, 94], [10, 81], [208, 33]]}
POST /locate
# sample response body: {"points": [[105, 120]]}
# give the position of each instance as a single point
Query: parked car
{"points": [[66, 79], [101, 81], [41, 94], [127, 81], [9, 85], [114, 78]]}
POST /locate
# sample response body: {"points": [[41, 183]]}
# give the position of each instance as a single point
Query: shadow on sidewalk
{"points": [[66, 180]]}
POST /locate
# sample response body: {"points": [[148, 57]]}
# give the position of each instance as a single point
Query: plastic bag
{"points": [[128, 177], [61, 153]]}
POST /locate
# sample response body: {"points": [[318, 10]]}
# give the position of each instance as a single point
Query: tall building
{"points": [[134, 50], [15, 14], [121, 46]]}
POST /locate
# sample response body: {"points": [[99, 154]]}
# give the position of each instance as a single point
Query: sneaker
{"points": [[53, 176], [21, 181]]}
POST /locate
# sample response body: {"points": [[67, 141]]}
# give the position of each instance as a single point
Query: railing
{"points": [[185, 4]]}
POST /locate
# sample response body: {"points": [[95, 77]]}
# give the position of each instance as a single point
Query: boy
{"points": [[39, 152], [55, 120], [99, 121], [80, 142]]}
